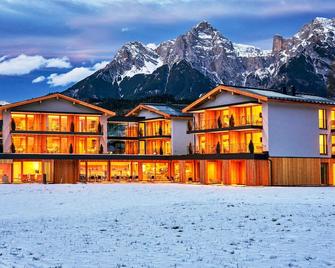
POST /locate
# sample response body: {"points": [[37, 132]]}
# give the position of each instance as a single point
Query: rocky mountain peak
{"points": [[203, 27], [204, 54]]}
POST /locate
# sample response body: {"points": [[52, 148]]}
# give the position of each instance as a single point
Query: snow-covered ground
{"points": [[161, 225]]}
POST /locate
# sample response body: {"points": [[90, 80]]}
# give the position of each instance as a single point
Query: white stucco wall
{"points": [[103, 140], [54, 105], [148, 115], [292, 130], [180, 139], [7, 139], [224, 98]]}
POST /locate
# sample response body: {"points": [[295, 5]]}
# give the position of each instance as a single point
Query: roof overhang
{"points": [[217, 90], [141, 107], [56, 96]]}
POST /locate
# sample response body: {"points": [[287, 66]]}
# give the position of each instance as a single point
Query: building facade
{"points": [[231, 135], [292, 132]]}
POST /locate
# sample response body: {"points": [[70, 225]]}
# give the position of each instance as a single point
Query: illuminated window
{"points": [[82, 124], [120, 169], [332, 119], [53, 123], [189, 171], [333, 145], [64, 123], [92, 123], [92, 145], [88, 123], [142, 147], [30, 122], [323, 144], [53, 145], [322, 119], [225, 143], [202, 144], [20, 144], [20, 121]]}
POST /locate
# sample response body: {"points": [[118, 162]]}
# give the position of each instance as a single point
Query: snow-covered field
{"points": [[161, 225]]}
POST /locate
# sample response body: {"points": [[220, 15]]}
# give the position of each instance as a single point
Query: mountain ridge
{"points": [[197, 60]]}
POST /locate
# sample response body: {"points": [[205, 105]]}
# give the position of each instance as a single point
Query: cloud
{"points": [[125, 29], [24, 64], [74, 75], [38, 79]]}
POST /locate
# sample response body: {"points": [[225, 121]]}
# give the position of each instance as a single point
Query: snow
{"points": [[148, 68], [166, 225], [243, 50], [152, 46], [203, 35]]}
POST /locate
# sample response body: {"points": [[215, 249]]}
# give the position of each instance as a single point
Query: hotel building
{"points": [[230, 135]]}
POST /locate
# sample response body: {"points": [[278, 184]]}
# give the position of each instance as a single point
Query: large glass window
{"points": [[92, 145], [120, 170], [53, 123], [30, 122], [88, 123], [322, 119], [333, 147], [323, 144], [92, 123], [20, 144], [53, 145], [189, 171], [155, 171], [97, 170], [20, 121], [17, 172], [5, 172]]}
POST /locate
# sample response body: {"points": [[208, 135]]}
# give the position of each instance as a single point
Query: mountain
{"points": [[194, 62]]}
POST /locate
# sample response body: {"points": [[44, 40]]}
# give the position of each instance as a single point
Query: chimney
{"points": [[278, 43]]}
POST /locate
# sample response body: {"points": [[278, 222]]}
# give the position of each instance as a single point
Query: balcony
{"points": [[242, 122], [227, 149], [122, 133], [165, 133], [55, 124]]}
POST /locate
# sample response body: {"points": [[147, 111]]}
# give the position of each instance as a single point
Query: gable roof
{"points": [[57, 96], [264, 95], [165, 110]]}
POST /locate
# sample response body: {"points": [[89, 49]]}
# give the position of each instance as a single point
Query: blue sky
{"points": [[46, 45]]}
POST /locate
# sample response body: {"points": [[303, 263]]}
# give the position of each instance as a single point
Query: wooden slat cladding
{"points": [[66, 171], [296, 171], [237, 172]]}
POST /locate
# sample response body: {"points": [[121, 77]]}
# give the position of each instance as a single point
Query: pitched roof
{"points": [[165, 110], [261, 95], [56, 95]]}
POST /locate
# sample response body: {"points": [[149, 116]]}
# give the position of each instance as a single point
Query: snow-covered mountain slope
{"points": [[302, 60]]}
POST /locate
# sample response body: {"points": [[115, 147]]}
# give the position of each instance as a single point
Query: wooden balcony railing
{"points": [[226, 149], [228, 123]]}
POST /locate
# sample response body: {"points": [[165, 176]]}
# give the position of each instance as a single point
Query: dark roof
{"points": [[125, 119], [298, 97], [170, 109]]}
